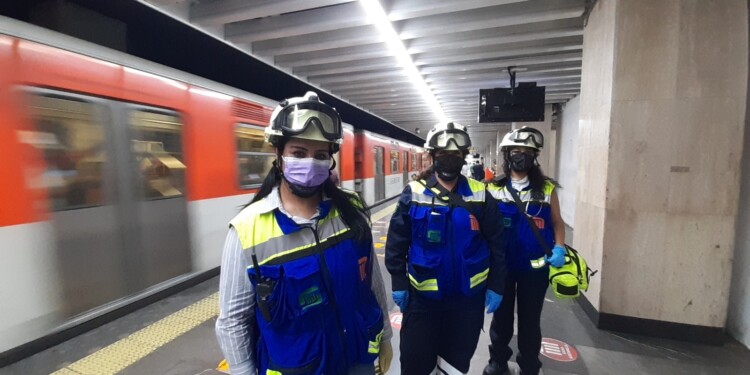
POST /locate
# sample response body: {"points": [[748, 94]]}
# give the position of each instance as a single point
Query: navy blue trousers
{"points": [[452, 335], [525, 289]]}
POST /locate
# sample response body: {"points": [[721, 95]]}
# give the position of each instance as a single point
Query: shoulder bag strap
{"points": [[534, 229], [443, 193]]}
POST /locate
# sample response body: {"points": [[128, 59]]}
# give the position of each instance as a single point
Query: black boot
{"points": [[494, 368]]}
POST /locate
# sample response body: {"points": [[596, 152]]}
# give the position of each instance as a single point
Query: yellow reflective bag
{"points": [[573, 277]]}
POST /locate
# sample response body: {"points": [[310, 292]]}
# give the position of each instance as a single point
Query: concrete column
{"points": [[662, 116], [567, 163]]}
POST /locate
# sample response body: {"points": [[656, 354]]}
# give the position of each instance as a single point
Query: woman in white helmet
{"points": [[445, 256], [527, 281], [301, 290]]}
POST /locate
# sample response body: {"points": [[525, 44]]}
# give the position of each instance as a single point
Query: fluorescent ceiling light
{"points": [[379, 18]]}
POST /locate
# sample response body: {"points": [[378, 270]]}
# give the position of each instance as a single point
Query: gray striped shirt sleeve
{"points": [[234, 327]]}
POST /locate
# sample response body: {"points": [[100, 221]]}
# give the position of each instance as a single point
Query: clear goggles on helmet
{"points": [[444, 138], [295, 118], [524, 134]]}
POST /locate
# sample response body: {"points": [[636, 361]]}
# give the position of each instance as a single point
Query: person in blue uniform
{"points": [[445, 256], [300, 290], [528, 269]]}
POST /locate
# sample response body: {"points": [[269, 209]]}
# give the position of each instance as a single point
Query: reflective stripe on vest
{"points": [[427, 285], [418, 193], [479, 278], [263, 235], [501, 193], [374, 346], [272, 372], [538, 263]]}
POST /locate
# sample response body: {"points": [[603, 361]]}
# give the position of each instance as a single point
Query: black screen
{"points": [[522, 104]]}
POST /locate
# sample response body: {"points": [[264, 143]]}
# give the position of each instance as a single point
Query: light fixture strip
{"points": [[379, 18]]}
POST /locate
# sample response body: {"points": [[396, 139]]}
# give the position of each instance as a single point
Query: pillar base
{"points": [[653, 328]]}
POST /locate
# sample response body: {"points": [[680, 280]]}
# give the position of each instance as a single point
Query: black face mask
{"points": [[522, 162], [448, 167]]}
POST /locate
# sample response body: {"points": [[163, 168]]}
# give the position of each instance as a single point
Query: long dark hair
{"points": [[536, 176], [426, 173], [353, 211]]}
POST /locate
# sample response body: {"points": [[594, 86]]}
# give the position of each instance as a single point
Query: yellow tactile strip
{"points": [[116, 357], [380, 240]]}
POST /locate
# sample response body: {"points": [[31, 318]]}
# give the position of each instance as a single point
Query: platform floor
{"points": [[176, 336]]}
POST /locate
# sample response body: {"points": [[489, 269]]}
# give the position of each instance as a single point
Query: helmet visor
{"points": [[444, 138], [294, 120], [525, 134]]}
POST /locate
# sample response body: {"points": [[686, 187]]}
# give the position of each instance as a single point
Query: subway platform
{"points": [[175, 336]]}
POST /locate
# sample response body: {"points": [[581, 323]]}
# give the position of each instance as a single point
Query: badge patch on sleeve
{"points": [[362, 268], [474, 222], [538, 221]]}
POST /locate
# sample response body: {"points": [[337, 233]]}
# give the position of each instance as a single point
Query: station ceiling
{"points": [[457, 47]]}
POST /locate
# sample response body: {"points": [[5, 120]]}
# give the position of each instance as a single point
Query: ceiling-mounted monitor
{"points": [[523, 103]]}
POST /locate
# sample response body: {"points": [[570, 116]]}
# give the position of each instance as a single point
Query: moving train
{"points": [[119, 177]]}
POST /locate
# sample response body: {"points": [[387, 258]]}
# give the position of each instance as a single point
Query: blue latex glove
{"points": [[401, 297], [492, 300], [558, 256]]}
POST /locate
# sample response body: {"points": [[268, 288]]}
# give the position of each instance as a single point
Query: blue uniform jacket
{"points": [[523, 247], [315, 310], [443, 254]]}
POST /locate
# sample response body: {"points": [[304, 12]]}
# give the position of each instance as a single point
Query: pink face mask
{"points": [[307, 172]]}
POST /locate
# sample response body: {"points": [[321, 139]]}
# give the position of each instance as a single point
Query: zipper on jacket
{"points": [[327, 279], [456, 286]]}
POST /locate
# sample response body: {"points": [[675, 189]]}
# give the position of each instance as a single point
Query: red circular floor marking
{"points": [[558, 350], [396, 320]]}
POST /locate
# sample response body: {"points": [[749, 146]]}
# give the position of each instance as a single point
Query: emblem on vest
{"points": [[434, 236], [310, 298]]}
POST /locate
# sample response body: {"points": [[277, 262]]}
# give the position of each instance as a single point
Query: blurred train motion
{"points": [[119, 176]]}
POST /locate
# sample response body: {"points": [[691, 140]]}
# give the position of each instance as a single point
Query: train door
{"points": [[154, 201], [405, 164], [75, 140], [379, 169]]}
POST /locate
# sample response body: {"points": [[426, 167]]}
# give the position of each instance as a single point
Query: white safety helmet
{"points": [[448, 136], [306, 118], [523, 137]]}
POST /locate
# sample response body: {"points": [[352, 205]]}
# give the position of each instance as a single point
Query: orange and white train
{"points": [[118, 177]]}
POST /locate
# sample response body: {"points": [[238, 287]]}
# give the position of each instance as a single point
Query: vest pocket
{"points": [[424, 268], [509, 212], [474, 272], [303, 286], [370, 333], [310, 368], [294, 338]]}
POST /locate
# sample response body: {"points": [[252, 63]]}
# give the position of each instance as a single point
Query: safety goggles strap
{"points": [[460, 138], [280, 123], [523, 134]]}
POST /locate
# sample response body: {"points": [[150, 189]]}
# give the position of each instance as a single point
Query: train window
{"points": [[254, 156], [394, 161], [71, 137], [156, 144], [414, 162]]}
